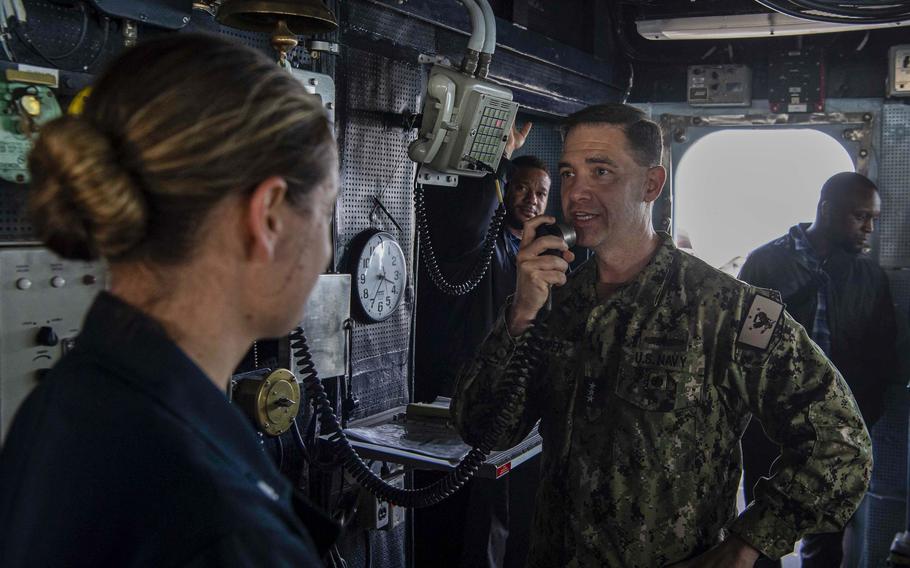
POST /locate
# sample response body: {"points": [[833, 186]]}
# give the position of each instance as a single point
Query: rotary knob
{"points": [[47, 336]]}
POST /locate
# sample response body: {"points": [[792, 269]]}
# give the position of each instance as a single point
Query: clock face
{"points": [[380, 275]]}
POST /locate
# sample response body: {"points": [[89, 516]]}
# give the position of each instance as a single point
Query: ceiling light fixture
{"points": [[744, 26]]}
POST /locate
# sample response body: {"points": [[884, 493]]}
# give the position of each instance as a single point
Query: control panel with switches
{"points": [[43, 300], [899, 71], [720, 85]]}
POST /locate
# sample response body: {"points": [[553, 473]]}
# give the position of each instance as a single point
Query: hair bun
{"points": [[84, 201]]}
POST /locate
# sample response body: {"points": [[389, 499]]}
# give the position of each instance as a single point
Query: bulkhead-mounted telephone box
{"points": [[466, 123], [466, 118]]}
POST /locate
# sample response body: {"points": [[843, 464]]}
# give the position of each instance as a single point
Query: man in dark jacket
{"points": [[471, 528], [451, 327], [842, 298]]}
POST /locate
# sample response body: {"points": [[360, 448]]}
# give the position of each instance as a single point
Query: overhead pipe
{"points": [[489, 44], [478, 37]]}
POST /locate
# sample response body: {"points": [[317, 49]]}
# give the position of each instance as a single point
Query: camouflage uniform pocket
{"points": [[657, 411], [658, 380]]}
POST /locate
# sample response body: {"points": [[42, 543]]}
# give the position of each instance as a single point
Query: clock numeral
{"points": [[366, 294], [379, 309], [372, 303], [366, 263], [394, 261], [397, 275], [363, 279], [394, 290], [388, 302]]}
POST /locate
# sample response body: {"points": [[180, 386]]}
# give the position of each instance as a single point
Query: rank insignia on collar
{"points": [[761, 321]]}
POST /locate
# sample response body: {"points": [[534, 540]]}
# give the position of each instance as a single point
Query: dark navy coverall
{"points": [[128, 455]]}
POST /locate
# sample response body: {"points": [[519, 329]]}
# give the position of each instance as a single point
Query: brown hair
{"points": [[643, 134], [173, 126]]}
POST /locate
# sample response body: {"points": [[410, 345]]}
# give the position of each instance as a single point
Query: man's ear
{"points": [[262, 219], [654, 183], [824, 211]]}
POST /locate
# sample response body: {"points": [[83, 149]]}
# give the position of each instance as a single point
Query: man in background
{"points": [[472, 528], [842, 298]]}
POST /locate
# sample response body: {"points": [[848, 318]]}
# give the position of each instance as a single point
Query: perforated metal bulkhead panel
{"points": [[883, 519], [893, 180], [54, 29], [886, 514], [376, 167], [14, 225]]}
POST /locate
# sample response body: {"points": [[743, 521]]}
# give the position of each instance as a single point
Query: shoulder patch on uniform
{"points": [[761, 321]]}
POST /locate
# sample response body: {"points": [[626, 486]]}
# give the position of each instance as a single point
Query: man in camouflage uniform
{"points": [[651, 367]]}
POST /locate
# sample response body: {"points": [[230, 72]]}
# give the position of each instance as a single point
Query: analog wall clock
{"points": [[379, 274]]}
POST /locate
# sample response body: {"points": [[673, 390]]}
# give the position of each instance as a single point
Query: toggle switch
{"points": [[47, 336], [58, 282], [23, 283]]}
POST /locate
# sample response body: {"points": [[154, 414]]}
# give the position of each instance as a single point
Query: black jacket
{"points": [[450, 328], [860, 313], [128, 455]]}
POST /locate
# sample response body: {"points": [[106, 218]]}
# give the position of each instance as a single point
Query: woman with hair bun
{"points": [[206, 177]]}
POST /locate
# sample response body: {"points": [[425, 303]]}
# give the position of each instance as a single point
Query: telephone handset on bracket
{"points": [[442, 90], [466, 125]]}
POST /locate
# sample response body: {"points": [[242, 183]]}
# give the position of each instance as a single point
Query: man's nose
{"points": [[577, 193], [868, 225]]}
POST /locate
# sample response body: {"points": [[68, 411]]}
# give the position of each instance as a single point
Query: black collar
{"points": [[139, 352]]}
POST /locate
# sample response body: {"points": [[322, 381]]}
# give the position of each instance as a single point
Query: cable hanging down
{"points": [[517, 375], [429, 255]]}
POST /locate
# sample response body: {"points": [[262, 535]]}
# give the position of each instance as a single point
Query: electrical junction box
{"points": [[796, 81], [43, 300], [719, 85], [899, 71]]}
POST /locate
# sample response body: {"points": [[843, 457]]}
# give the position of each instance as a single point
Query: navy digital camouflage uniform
{"points": [[642, 399]]}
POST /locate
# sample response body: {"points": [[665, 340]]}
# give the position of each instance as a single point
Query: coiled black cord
{"points": [[527, 357], [429, 255]]}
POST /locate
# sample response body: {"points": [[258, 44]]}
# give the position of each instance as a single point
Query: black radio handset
{"points": [[567, 233]]}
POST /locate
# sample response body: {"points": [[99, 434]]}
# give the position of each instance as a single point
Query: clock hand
{"points": [[378, 286]]}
